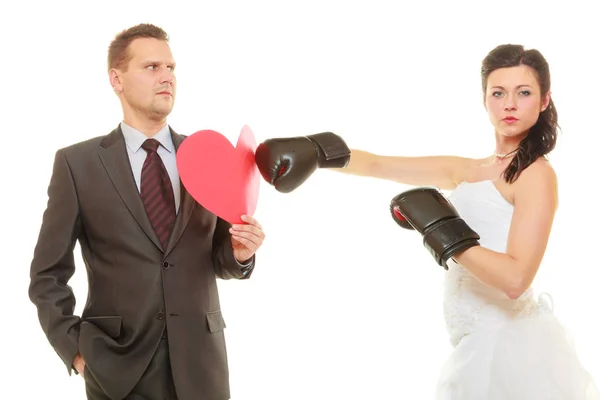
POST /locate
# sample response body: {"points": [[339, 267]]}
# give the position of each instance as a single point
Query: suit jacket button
{"points": [[165, 265], [160, 315]]}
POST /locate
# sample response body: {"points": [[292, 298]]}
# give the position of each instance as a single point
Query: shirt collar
{"points": [[134, 138]]}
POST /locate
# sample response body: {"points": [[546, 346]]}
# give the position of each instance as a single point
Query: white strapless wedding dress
{"points": [[503, 349]]}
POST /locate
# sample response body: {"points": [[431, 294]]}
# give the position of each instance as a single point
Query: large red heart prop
{"points": [[223, 179]]}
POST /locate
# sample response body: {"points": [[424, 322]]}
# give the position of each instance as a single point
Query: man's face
{"points": [[148, 85]]}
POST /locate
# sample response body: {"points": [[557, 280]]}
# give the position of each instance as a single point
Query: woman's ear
{"points": [[546, 101]]}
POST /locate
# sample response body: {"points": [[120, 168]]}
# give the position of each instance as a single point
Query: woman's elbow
{"points": [[517, 286]]}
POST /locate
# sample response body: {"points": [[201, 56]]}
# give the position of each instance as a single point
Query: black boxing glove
{"points": [[426, 210], [287, 162]]}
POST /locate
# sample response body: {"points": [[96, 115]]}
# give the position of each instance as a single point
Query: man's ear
{"points": [[115, 80]]}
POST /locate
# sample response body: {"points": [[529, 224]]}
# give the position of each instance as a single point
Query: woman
{"points": [[508, 345]]}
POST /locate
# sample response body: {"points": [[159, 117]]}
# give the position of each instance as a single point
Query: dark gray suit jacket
{"points": [[136, 287]]}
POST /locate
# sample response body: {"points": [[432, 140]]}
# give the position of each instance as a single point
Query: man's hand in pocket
{"points": [[79, 364]]}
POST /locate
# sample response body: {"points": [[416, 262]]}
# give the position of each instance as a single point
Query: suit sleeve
{"points": [[226, 266], [53, 264]]}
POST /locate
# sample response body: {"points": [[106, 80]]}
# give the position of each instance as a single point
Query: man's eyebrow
{"points": [[148, 62]]}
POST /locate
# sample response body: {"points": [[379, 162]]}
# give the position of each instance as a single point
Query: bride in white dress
{"points": [[508, 345]]}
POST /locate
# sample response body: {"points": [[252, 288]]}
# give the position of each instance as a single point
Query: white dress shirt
{"points": [[134, 140]]}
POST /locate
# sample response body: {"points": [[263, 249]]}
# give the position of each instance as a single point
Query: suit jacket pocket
{"points": [[215, 321], [109, 324]]}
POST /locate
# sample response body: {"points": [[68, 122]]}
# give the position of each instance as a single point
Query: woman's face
{"points": [[513, 100]]}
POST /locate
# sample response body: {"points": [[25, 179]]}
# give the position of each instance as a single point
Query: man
{"points": [[152, 326]]}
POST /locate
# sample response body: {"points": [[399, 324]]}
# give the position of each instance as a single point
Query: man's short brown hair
{"points": [[118, 51]]}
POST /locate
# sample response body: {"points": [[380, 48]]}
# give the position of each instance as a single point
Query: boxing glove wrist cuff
{"points": [[448, 238], [332, 151]]}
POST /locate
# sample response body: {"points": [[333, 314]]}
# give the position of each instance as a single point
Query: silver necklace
{"points": [[503, 156]]}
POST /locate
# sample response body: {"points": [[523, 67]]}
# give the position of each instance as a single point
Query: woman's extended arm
{"points": [[445, 172]]}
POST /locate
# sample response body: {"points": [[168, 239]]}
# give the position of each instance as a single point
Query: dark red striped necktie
{"points": [[157, 192]]}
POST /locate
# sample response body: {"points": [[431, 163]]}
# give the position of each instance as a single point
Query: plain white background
{"points": [[343, 304]]}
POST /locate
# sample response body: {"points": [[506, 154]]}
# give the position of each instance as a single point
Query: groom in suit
{"points": [[152, 326]]}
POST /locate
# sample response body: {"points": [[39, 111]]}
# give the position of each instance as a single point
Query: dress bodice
{"points": [[468, 303]]}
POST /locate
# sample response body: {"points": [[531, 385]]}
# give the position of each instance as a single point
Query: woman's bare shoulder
{"points": [[539, 179]]}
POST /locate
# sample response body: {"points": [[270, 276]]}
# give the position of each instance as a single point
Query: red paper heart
{"points": [[223, 179]]}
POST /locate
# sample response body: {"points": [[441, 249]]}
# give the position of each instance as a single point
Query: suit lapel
{"points": [[113, 155], [186, 206]]}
